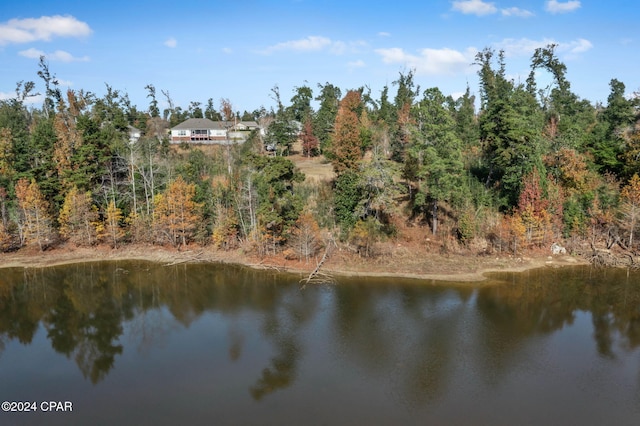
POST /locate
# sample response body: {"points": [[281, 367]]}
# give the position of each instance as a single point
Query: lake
{"points": [[137, 343]]}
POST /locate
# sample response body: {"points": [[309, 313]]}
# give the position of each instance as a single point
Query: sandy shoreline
{"points": [[470, 269]]}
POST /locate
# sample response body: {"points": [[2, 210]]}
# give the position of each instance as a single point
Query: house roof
{"points": [[205, 123], [249, 123], [199, 123]]}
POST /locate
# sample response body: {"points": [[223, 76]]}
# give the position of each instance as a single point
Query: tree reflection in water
{"points": [[83, 308], [419, 337], [546, 300]]}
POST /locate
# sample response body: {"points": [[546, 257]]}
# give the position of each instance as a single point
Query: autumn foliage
{"points": [[630, 210], [310, 143], [345, 143], [176, 214], [111, 229], [533, 210], [305, 236], [35, 223], [78, 218]]}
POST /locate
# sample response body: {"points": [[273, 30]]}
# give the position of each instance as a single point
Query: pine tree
{"points": [[278, 204], [510, 128], [435, 153], [6, 157], [325, 117]]}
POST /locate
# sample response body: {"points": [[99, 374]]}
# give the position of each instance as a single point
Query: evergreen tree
{"points": [[42, 143], [154, 111], [466, 122], [278, 205], [195, 110], [15, 117], [401, 128], [300, 109], [324, 119], [510, 128], [210, 111], [437, 151], [347, 197], [609, 142]]}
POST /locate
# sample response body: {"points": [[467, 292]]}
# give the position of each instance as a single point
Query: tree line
{"points": [[520, 166]]}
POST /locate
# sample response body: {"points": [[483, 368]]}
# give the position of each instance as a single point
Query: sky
{"points": [[197, 50]]}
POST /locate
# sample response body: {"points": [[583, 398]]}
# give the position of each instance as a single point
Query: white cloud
{"points": [[227, 50], [474, 7], [431, 61], [356, 64], [577, 46], [574, 48], [521, 47], [44, 28], [392, 55], [64, 83], [516, 11], [554, 6], [526, 47], [58, 55], [309, 44], [37, 99], [171, 42], [384, 34], [315, 44]]}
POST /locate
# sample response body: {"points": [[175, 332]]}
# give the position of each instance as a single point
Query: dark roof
{"points": [[205, 123], [199, 123]]}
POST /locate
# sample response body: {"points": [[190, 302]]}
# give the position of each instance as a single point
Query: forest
{"points": [[520, 167]]}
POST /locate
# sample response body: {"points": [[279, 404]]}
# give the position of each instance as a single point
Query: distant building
{"points": [[205, 131], [134, 134]]}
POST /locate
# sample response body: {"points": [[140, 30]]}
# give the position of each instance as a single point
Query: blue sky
{"points": [[198, 50]]}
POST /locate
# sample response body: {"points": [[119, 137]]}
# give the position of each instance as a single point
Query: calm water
{"points": [[133, 343]]}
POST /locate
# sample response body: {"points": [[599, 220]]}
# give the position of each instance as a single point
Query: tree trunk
{"points": [[434, 217], [133, 181]]}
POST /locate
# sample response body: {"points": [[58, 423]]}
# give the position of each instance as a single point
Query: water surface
{"points": [[139, 343]]}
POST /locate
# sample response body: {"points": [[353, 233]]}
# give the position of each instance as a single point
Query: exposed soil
{"points": [[402, 261]]}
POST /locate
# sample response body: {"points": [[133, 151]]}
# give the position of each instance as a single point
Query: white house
{"points": [[205, 131], [134, 134]]}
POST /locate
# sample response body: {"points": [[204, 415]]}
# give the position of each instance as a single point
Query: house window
{"points": [[182, 133]]}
